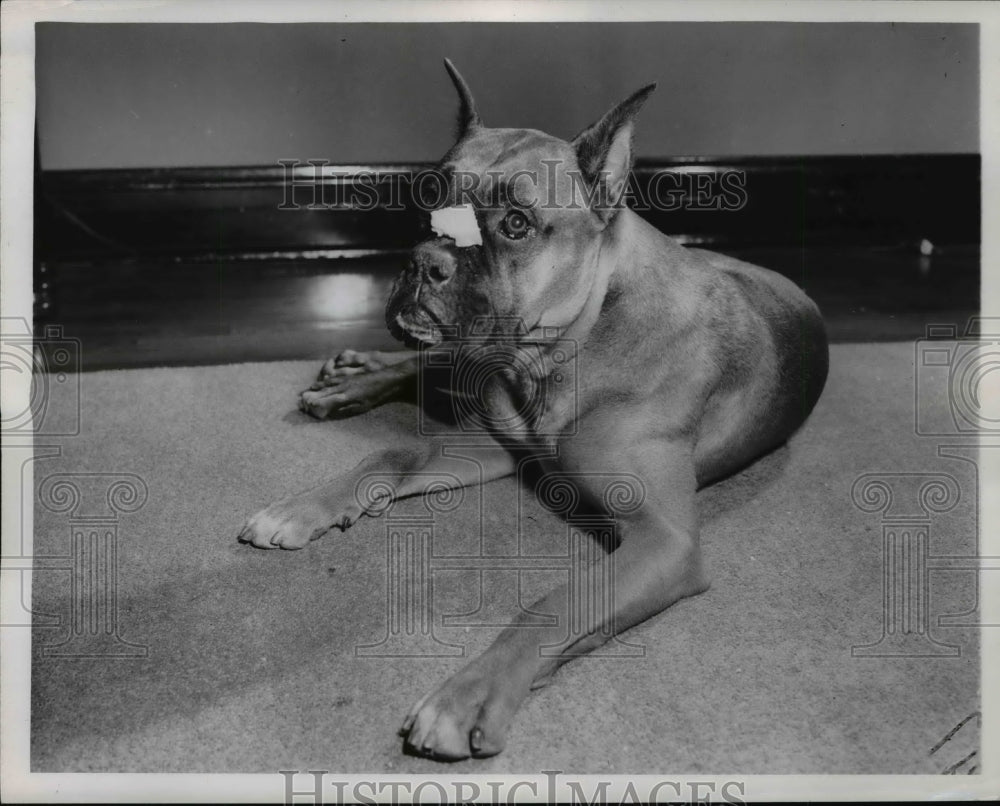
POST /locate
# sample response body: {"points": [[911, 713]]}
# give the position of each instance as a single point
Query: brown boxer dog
{"points": [[687, 366]]}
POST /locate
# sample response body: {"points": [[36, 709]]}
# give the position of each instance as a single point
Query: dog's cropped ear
{"points": [[604, 153], [468, 115]]}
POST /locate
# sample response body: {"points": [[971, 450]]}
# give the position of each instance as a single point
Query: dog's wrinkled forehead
{"points": [[517, 166]]}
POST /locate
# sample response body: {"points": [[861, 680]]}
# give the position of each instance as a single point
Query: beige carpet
{"points": [[252, 663]]}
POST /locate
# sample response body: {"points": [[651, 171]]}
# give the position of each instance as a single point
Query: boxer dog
{"points": [[688, 365]]}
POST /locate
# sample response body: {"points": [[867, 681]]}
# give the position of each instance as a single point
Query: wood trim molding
{"points": [[243, 213]]}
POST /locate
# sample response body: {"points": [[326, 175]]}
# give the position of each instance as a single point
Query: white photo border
{"points": [[16, 167]]}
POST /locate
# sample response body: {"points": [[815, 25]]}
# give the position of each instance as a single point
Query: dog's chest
{"points": [[525, 407]]}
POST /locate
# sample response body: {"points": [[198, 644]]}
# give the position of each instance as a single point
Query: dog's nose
{"points": [[434, 262]]}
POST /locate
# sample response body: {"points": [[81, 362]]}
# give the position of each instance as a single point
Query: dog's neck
{"points": [[608, 255]]}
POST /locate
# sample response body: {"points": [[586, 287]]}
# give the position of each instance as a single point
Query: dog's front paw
{"points": [[289, 524], [356, 360], [352, 391], [468, 716], [354, 382], [332, 402]]}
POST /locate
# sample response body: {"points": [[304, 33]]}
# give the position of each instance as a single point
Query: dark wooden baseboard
{"points": [[237, 213]]}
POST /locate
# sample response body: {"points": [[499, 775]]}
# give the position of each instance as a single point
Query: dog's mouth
{"points": [[415, 327]]}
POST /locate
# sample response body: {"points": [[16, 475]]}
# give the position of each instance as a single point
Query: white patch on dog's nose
{"points": [[458, 223]]}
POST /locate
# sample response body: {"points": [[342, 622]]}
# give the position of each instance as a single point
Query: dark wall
{"points": [[120, 96]]}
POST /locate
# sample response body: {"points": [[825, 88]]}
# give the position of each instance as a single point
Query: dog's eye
{"points": [[515, 225]]}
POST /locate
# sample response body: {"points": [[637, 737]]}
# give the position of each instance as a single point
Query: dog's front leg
{"points": [[657, 563], [400, 472]]}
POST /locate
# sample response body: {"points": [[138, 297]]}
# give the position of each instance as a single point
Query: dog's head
{"points": [[520, 218]]}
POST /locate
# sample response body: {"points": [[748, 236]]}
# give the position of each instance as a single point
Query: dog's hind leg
{"points": [[355, 382], [369, 489]]}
